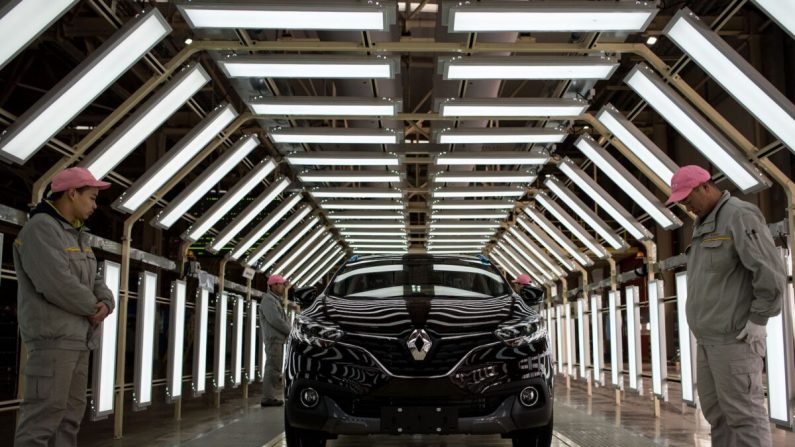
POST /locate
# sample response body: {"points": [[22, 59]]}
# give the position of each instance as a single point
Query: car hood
{"points": [[397, 316]]}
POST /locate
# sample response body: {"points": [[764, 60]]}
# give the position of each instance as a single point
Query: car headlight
{"points": [[309, 331], [526, 332]]}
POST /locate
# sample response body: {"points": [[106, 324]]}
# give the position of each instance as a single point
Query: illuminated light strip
{"points": [[200, 324], [145, 339], [176, 341], [659, 370], [541, 237], [536, 251], [558, 236], [633, 338], [265, 225], [687, 343], [583, 334], [306, 268], [303, 255], [616, 348], [219, 364], [104, 359], [575, 228]]}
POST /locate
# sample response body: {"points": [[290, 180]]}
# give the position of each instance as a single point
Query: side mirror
{"points": [[532, 294], [304, 296]]}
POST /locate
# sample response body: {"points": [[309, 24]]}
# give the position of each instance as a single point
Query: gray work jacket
{"points": [[273, 319], [734, 272], [58, 285]]}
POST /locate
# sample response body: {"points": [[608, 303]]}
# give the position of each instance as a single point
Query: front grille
{"points": [[467, 407], [397, 358]]}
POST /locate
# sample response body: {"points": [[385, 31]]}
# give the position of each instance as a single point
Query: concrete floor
{"points": [[580, 420]]}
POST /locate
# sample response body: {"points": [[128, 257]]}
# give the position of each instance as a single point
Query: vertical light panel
{"points": [[237, 342], [687, 346], [176, 341], [572, 371], [659, 370], [633, 338], [553, 336], [597, 346], [251, 344], [616, 348], [583, 332], [219, 366], [780, 358], [145, 335], [561, 341], [263, 357], [200, 342], [104, 367]]}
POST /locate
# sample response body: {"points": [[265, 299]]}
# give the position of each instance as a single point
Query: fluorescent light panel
{"points": [[457, 233], [626, 182], [248, 214], [575, 228], [325, 269], [336, 158], [780, 11], [632, 296], [369, 224], [357, 215], [647, 152], [290, 240], [303, 255], [449, 215], [460, 192], [528, 67], [779, 359], [491, 158], [355, 193], [314, 135], [82, 85], [365, 204], [536, 251], [737, 77], [324, 106], [537, 268], [692, 126], [328, 176], [506, 265], [144, 121], [251, 351], [22, 21], [310, 67], [502, 135], [583, 16], [223, 206], [175, 159], [659, 369], [597, 348], [616, 351], [557, 235], [687, 346], [281, 15], [541, 237], [275, 236], [210, 177], [449, 204], [583, 338], [347, 233], [513, 107], [307, 268], [219, 364], [604, 200], [176, 340], [145, 339], [266, 224], [200, 323], [237, 342], [104, 364], [325, 263], [484, 177]]}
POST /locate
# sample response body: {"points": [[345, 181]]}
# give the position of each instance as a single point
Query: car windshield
{"points": [[418, 276]]}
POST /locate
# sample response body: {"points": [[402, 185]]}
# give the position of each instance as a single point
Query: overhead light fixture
{"points": [[306, 66], [519, 261], [82, 85], [329, 176], [484, 177], [477, 247], [659, 370], [572, 225], [275, 236], [468, 215], [551, 246], [219, 350], [331, 258], [176, 340], [737, 77], [355, 193], [144, 121], [697, 130], [290, 240], [513, 107], [337, 158], [199, 187], [22, 21], [324, 106], [504, 263], [365, 204], [628, 183], [302, 254], [357, 215], [366, 224], [352, 16], [266, 224], [434, 251], [175, 159], [449, 234], [237, 342], [347, 233], [232, 197], [376, 240], [538, 270], [476, 240], [527, 67], [145, 339], [584, 213], [651, 40], [491, 158], [200, 322], [632, 297], [328, 247], [247, 215], [570, 16], [461, 192], [604, 200], [502, 135], [314, 135], [780, 12], [188, 41], [493, 225], [536, 251], [451, 204], [647, 152], [320, 272], [103, 371], [558, 236]]}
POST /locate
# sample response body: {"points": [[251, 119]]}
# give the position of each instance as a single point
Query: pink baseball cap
{"points": [[685, 180], [522, 279], [76, 178], [276, 279]]}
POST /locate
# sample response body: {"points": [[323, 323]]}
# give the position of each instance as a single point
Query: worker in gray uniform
{"points": [[735, 282], [61, 299], [275, 328]]}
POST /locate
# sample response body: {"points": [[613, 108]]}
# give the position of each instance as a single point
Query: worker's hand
{"points": [[754, 334], [102, 312]]}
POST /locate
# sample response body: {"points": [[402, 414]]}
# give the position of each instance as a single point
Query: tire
{"points": [[534, 437], [297, 437]]}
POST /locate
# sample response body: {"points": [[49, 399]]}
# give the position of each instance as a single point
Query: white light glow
{"points": [[575, 228], [251, 351], [316, 275], [508, 108], [616, 351], [200, 344], [335, 158], [538, 234], [522, 135], [779, 361], [291, 105], [349, 177], [307, 268], [584, 343], [356, 193], [334, 136], [361, 205], [145, 343], [570, 354], [537, 265], [280, 16], [237, 342], [266, 224], [104, 367], [659, 370], [307, 67], [536, 251], [291, 240], [632, 295], [558, 236], [219, 366], [274, 237], [21, 23], [176, 340], [353, 215], [561, 337], [306, 255], [780, 11], [518, 67], [484, 177], [687, 344], [597, 347], [467, 192]]}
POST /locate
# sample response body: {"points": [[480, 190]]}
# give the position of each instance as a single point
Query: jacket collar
{"points": [[48, 208], [708, 224]]}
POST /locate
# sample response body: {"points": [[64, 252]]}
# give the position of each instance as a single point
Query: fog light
{"points": [[309, 398], [529, 396]]}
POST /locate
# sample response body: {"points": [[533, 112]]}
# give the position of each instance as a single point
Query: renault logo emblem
{"points": [[419, 344]]}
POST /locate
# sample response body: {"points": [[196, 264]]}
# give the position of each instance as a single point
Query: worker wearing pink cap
{"points": [[520, 281], [61, 299], [735, 281], [275, 329]]}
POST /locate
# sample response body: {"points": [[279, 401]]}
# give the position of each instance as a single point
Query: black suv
{"points": [[418, 344]]}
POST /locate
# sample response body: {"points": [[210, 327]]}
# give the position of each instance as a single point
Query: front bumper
{"points": [[330, 417]]}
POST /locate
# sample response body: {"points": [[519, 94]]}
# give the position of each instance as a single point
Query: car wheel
{"points": [[297, 437], [534, 437]]}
